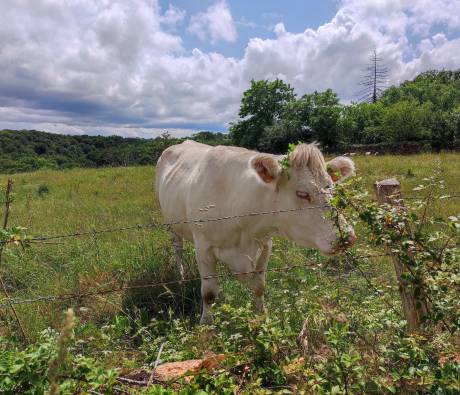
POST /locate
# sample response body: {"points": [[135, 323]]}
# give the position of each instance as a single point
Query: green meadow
{"points": [[123, 330]]}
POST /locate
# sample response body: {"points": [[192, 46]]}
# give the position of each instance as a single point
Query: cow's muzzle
{"points": [[347, 241]]}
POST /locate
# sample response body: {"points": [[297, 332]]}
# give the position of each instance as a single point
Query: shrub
{"points": [[42, 190]]}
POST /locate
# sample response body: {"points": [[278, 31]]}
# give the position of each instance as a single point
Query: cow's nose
{"points": [[351, 238]]}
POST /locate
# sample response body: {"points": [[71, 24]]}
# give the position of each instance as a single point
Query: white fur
{"points": [[198, 181]]}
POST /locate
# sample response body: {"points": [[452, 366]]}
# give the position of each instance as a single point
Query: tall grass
{"points": [[56, 202]]}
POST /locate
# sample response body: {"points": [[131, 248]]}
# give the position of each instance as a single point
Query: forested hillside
{"points": [[31, 150], [419, 114]]}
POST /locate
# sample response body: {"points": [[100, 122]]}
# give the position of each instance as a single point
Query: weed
{"points": [[43, 190]]}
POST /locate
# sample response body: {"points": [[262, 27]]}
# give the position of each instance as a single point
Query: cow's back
{"points": [[195, 180], [174, 177]]}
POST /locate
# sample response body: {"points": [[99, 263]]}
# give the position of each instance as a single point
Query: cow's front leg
{"points": [[178, 245], [257, 282], [249, 265], [209, 286]]}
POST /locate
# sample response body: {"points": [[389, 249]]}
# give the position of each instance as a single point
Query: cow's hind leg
{"points": [[178, 245], [257, 281], [209, 285]]}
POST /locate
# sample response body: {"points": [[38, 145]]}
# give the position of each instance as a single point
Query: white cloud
{"points": [[442, 54], [173, 16], [216, 24], [94, 64], [279, 29], [426, 13], [334, 55], [63, 128]]}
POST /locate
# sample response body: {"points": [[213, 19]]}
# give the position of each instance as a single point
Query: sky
{"points": [[139, 68]]}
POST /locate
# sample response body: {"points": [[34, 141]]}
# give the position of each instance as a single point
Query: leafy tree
{"points": [[361, 123], [211, 138], [442, 88], [29, 150], [293, 126], [406, 121], [314, 116], [261, 105], [325, 117], [278, 136]]}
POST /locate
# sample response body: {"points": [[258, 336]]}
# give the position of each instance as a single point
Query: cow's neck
{"points": [[267, 225]]}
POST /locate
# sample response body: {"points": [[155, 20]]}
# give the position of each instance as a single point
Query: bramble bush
{"points": [[52, 366]]}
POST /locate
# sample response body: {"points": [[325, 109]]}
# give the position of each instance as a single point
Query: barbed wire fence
{"points": [[196, 221], [70, 296], [10, 303]]}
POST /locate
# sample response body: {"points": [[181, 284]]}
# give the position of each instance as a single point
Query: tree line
{"points": [[425, 109], [424, 112]]}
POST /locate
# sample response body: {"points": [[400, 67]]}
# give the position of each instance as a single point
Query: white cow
{"points": [[199, 181]]}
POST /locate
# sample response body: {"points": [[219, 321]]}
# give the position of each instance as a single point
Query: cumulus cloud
{"points": [[333, 56], [105, 63], [95, 64], [173, 16], [216, 24]]}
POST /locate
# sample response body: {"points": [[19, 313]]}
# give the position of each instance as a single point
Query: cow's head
{"points": [[307, 183]]}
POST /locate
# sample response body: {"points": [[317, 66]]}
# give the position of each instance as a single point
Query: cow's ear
{"points": [[340, 168], [267, 167]]}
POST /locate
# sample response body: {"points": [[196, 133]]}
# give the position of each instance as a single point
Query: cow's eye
{"points": [[303, 195]]}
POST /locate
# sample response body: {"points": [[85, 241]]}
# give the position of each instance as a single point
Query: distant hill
{"points": [[28, 150]]}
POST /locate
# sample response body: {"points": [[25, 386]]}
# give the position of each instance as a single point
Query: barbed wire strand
{"points": [[4, 303], [443, 197], [196, 221]]}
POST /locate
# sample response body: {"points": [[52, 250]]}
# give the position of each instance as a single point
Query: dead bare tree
{"points": [[374, 80]]}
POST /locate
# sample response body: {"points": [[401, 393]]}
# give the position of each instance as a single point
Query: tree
{"points": [[407, 121], [325, 117], [293, 126], [361, 123], [211, 138], [261, 105], [313, 117], [442, 88], [374, 80]]}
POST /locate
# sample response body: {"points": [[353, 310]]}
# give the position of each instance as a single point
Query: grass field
{"points": [[60, 202], [85, 199]]}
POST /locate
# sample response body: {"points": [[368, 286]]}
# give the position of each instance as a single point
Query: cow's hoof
{"points": [[261, 316], [260, 309], [206, 320]]}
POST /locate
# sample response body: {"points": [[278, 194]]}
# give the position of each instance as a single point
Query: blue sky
{"points": [[140, 67], [257, 19]]}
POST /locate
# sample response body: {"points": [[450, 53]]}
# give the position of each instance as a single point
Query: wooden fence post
{"points": [[414, 308], [6, 215]]}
